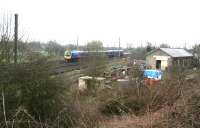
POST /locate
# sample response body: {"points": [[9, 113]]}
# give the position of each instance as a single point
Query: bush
{"points": [[114, 108], [96, 64], [29, 86], [136, 105], [123, 101], [185, 113]]}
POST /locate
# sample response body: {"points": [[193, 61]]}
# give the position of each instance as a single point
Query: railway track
{"points": [[57, 66], [66, 67], [62, 66]]}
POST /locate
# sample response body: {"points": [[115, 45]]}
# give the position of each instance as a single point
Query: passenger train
{"points": [[75, 55]]}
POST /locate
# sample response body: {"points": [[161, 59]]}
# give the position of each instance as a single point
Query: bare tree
{"points": [[96, 60], [55, 49], [149, 47], [196, 53], [6, 45], [164, 46], [95, 46]]}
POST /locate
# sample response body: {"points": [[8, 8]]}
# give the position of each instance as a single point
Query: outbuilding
{"points": [[163, 58]]}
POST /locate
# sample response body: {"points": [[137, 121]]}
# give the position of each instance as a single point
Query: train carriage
{"points": [[75, 55]]}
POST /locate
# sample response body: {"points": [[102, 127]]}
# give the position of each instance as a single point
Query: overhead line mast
{"points": [[77, 39]]}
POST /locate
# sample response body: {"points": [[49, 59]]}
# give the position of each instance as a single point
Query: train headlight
{"points": [[67, 57]]}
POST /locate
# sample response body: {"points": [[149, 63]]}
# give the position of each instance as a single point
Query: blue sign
{"points": [[154, 74]]}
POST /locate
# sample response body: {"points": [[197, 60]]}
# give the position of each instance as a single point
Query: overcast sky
{"points": [[176, 22]]}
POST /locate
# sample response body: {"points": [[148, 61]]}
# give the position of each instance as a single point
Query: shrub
{"points": [[123, 100], [136, 105], [29, 86], [114, 108]]}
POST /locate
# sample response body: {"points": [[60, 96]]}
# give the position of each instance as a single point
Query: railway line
{"points": [[57, 67], [60, 66], [66, 67]]}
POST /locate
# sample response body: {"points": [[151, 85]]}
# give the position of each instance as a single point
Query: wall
{"points": [[183, 61], [158, 55]]}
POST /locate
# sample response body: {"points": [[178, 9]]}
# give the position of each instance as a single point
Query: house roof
{"points": [[176, 52]]}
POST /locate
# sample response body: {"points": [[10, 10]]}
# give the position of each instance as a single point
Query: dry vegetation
{"points": [[32, 98], [172, 103]]}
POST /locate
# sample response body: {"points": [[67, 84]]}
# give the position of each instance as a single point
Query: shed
{"points": [[163, 58], [88, 82]]}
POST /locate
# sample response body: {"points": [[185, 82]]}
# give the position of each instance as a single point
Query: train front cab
{"points": [[72, 56], [67, 56]]}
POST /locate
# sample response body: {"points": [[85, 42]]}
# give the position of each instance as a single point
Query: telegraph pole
{"points": [[15, 38], [119, 46], [77, 39]]}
